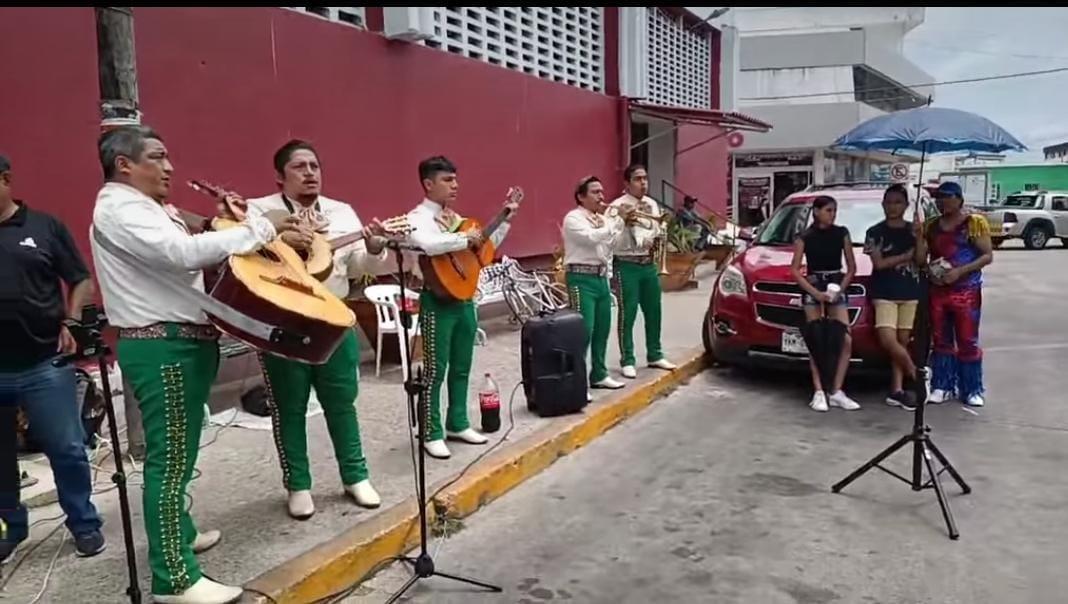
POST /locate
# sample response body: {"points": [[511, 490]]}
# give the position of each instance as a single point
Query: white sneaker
{"points": [[364, 494], [938, 397], [437, 449], [839, 399], [204, 591], [630, 372], [818, 402], [663, 364], [589, 396], [609, 383], [975, 400], [468, 436], [205, 541], [301, 505]]}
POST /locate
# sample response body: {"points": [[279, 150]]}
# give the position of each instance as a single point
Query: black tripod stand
{"points": [[88, 335], [922, 445], [418, 409]]}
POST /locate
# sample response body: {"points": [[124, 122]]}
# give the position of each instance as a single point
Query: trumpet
{"points": [[660, 254], [634, 217]]}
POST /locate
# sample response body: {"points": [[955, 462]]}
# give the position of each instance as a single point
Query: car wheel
{"points": [[1036, 237], [997, 241]]}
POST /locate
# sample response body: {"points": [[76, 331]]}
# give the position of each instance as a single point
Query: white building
{"points": [[815, 73]]}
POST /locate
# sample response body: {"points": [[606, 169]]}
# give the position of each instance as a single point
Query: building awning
{"points": [[701, 117]]}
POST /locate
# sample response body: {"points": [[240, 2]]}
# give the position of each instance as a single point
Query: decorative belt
{"points": [[159, 331], [587, 269], [646, 259]]}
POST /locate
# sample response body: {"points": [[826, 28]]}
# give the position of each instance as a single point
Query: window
{"points": [[1060, 204]]}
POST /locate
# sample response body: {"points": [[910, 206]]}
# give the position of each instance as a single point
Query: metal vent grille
{"points": [[680, 69], [352, 15], [562, 44]]}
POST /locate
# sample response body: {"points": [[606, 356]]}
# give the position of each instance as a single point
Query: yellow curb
{"points": [[336, 564], [333, 566]]}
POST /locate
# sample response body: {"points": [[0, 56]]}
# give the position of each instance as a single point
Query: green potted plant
{"points": [[681, 258]]}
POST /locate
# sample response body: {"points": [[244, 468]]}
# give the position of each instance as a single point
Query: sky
{"points": [[958, 43]]}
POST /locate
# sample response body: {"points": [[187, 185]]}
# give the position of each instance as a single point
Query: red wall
{"points": [[49, 117], [226, 87], [702, 171]]}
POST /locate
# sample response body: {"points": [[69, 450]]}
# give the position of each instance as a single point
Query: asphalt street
{"points": [[721, 491]]}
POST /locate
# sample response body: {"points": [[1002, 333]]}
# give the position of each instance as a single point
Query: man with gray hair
{"points": [[167, 349]]}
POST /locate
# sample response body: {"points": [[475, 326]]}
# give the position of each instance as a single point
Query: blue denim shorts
{"points": [[820, 281]]}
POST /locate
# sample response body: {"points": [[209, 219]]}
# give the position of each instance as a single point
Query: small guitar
{"points": [[273, 286], [319, 257], [454, 276]]}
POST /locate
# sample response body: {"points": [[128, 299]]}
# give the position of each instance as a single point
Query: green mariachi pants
{"points": [[336, 385], [589, 295], [449, 330], [637, 285], [171, 378]]}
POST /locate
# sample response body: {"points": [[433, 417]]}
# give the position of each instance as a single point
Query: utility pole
{"points": [[117, 73], [117, 66]]}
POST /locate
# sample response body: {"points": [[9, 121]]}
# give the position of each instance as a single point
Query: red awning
{"points": [[701, 117]]}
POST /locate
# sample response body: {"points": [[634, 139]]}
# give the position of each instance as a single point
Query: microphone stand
{"points": [[88, 335], [920, 436], [416, 389]]}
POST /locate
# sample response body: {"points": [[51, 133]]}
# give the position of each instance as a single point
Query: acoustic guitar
{"points": [[454, 276], [273, 285]]}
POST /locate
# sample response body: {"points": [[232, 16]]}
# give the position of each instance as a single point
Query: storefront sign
{"points": [[772, 160]]}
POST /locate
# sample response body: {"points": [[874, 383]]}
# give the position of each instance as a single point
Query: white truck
{"points": [[1034, 216]]}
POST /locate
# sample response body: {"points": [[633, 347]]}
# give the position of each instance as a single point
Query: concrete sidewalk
{"points": [[239, 489]]}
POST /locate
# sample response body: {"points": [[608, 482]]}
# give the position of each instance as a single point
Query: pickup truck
{"points": [[1034, 216]]}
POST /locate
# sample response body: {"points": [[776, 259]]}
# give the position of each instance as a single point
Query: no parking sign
{"points": [[899, 172]]}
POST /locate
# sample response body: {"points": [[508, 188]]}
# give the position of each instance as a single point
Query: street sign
{"points": [[899, 172]]}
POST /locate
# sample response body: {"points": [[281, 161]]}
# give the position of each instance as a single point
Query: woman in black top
{"points": [[822, 246]]}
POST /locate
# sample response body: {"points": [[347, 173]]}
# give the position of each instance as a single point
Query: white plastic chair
{"points": [[386, 298]]}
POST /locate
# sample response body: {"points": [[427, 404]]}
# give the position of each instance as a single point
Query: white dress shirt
{"points": [[432, 229], [351, 261], [155, 234], [587, 243], [638, 240]]}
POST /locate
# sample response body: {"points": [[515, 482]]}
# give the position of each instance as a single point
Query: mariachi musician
{"points": [[448, 326], [167, 350], [588, 239], [289, 382], [636, 279]]}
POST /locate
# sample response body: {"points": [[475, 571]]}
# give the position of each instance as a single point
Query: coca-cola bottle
{"points": [[489, 403]]}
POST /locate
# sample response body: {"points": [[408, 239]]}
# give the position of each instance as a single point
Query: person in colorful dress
{"points": [[958, 245]]}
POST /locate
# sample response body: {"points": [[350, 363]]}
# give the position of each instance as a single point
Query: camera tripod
{"points": [[88, 335], [922, 445], [416, 389]]}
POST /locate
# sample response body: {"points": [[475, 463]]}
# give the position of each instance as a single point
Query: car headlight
{"points": [[732, 283]]}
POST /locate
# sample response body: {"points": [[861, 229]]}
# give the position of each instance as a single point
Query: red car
{"points": [[754, 314]]}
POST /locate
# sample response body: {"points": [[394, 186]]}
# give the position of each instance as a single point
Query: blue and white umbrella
{"points": [[930, 130]]}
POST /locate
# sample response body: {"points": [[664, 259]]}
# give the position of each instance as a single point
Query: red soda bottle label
{"points": [[489, 400]]}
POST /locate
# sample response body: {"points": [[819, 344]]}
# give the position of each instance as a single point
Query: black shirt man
{"points": [[37, 253]]}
